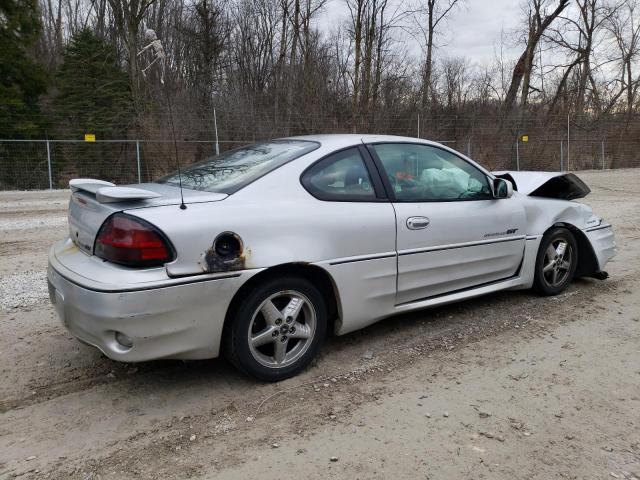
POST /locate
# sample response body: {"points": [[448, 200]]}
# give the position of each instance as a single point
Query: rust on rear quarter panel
{"points": [[213, 261]]}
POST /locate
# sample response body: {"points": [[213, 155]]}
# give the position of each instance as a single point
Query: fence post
{"points": [[418, 125], [568, 142], [138, 160], [469, 147], [49, 165], [215, 125], [517, 155], [561, 157], [602, 148]]}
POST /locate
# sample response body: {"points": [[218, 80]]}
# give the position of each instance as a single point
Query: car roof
{"points": [[335, 141], [340, 140]]}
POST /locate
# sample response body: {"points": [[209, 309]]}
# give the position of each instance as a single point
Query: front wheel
{"points": [[556, 262], [278, 329]]}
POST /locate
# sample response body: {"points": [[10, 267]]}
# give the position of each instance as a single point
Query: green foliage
{"points": [[22, 80], [93, 91]]}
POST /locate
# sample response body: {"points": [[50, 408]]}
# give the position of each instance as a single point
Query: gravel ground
{"points": [[31, 223], [23, 289], [507, 386]]}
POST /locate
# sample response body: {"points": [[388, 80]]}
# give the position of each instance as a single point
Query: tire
{"points": [[555, 267], [266, 337]]}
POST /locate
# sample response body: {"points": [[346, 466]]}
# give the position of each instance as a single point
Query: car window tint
{"points": [[232, 170], [420, 173], [342, 176]]}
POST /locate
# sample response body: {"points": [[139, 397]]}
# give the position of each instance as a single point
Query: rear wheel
{"points": [[556, 262], [278, 329]]}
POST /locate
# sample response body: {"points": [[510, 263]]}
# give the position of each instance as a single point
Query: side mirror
{"points": [[502, 188]]}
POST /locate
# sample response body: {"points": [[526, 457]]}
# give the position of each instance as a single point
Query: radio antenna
{"points": [[175, 149], [155, 45]]}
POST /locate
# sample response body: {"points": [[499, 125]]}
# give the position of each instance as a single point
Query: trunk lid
{"points": [[93, 202]]}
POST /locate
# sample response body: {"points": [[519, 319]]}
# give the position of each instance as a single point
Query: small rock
{"points": [[325, 385], [178, 448], [607, 448], [334, 380], [332, 417], [334, 459], [250, 418], [32, 457], [132, 371], [428, 415], [192, 438], [483, 414], [300, 451], [275, 445], [445, 414], [569, 437], [368, 355], [614, 475], [500, 438], [486, 434]]}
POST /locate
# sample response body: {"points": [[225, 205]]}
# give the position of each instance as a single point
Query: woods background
{"points": [[271, 68]]}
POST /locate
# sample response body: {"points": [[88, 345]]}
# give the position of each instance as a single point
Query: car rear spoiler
{"points": [[107, 192], [560, 185]]}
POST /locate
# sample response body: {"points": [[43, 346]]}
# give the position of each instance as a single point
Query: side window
{"points": [[422, 173], [341, 176]]}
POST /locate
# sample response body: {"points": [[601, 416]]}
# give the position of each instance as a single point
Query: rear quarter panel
{"points": [[278, 222]]}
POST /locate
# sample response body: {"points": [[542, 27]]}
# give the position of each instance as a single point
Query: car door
{"points": [[452, 234]]}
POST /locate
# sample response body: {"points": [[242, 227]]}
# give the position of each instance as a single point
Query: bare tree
{"points": [[579, 37], [537, 22], [624, 27], [455, 76], [431, 13], [128, 16]]}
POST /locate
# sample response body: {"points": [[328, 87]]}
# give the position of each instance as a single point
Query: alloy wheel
{"points": [[282, 329], [557, 262]]}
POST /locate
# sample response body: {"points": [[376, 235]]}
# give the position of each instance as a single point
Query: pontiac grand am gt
{"points": [[267, 248]]}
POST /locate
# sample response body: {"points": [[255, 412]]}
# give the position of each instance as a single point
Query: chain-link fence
{"points": [[43, 164]]}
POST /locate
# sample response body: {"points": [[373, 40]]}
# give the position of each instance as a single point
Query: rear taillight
{"points": [[132, 242]]}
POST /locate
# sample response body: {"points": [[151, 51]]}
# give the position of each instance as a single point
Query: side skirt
{"points": [[509, 283]]}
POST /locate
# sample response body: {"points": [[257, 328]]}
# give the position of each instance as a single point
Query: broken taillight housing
{"points": [[133, 242]]}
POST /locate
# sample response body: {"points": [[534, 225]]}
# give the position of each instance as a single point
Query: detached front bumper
{"points": [[603, 243], [170, 318]]}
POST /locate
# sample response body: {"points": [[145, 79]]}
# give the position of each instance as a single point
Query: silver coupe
{"points": [[260, 252]]}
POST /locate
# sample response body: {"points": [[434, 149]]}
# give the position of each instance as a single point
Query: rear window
{"points": [[232, 170]]}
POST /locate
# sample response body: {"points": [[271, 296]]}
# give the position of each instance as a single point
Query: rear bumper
{"points": [[176, 320], [603, 243]]}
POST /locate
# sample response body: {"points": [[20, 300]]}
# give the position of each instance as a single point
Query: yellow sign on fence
{"points": [[525, 138], [89, 137]]}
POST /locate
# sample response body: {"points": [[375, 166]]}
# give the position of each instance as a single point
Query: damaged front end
{"points": [[558, 185]]}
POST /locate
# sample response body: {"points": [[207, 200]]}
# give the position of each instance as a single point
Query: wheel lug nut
{"points": [[278, 321], [292, 330], [283, 338], [275, 333], [289, 319]]}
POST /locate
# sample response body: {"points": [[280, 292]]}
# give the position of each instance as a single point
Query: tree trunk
{"points": [[428, 64], [357, 33]]}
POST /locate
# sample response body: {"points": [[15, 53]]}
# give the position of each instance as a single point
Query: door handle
{"points": [[417, 223]]}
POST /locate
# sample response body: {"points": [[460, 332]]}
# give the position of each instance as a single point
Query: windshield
{"points": [[232, 170]]}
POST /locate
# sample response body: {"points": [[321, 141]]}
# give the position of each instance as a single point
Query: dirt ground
{"points": [[507, 386]]}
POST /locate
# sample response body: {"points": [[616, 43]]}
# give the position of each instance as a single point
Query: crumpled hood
{"points": [[560, 185]]}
